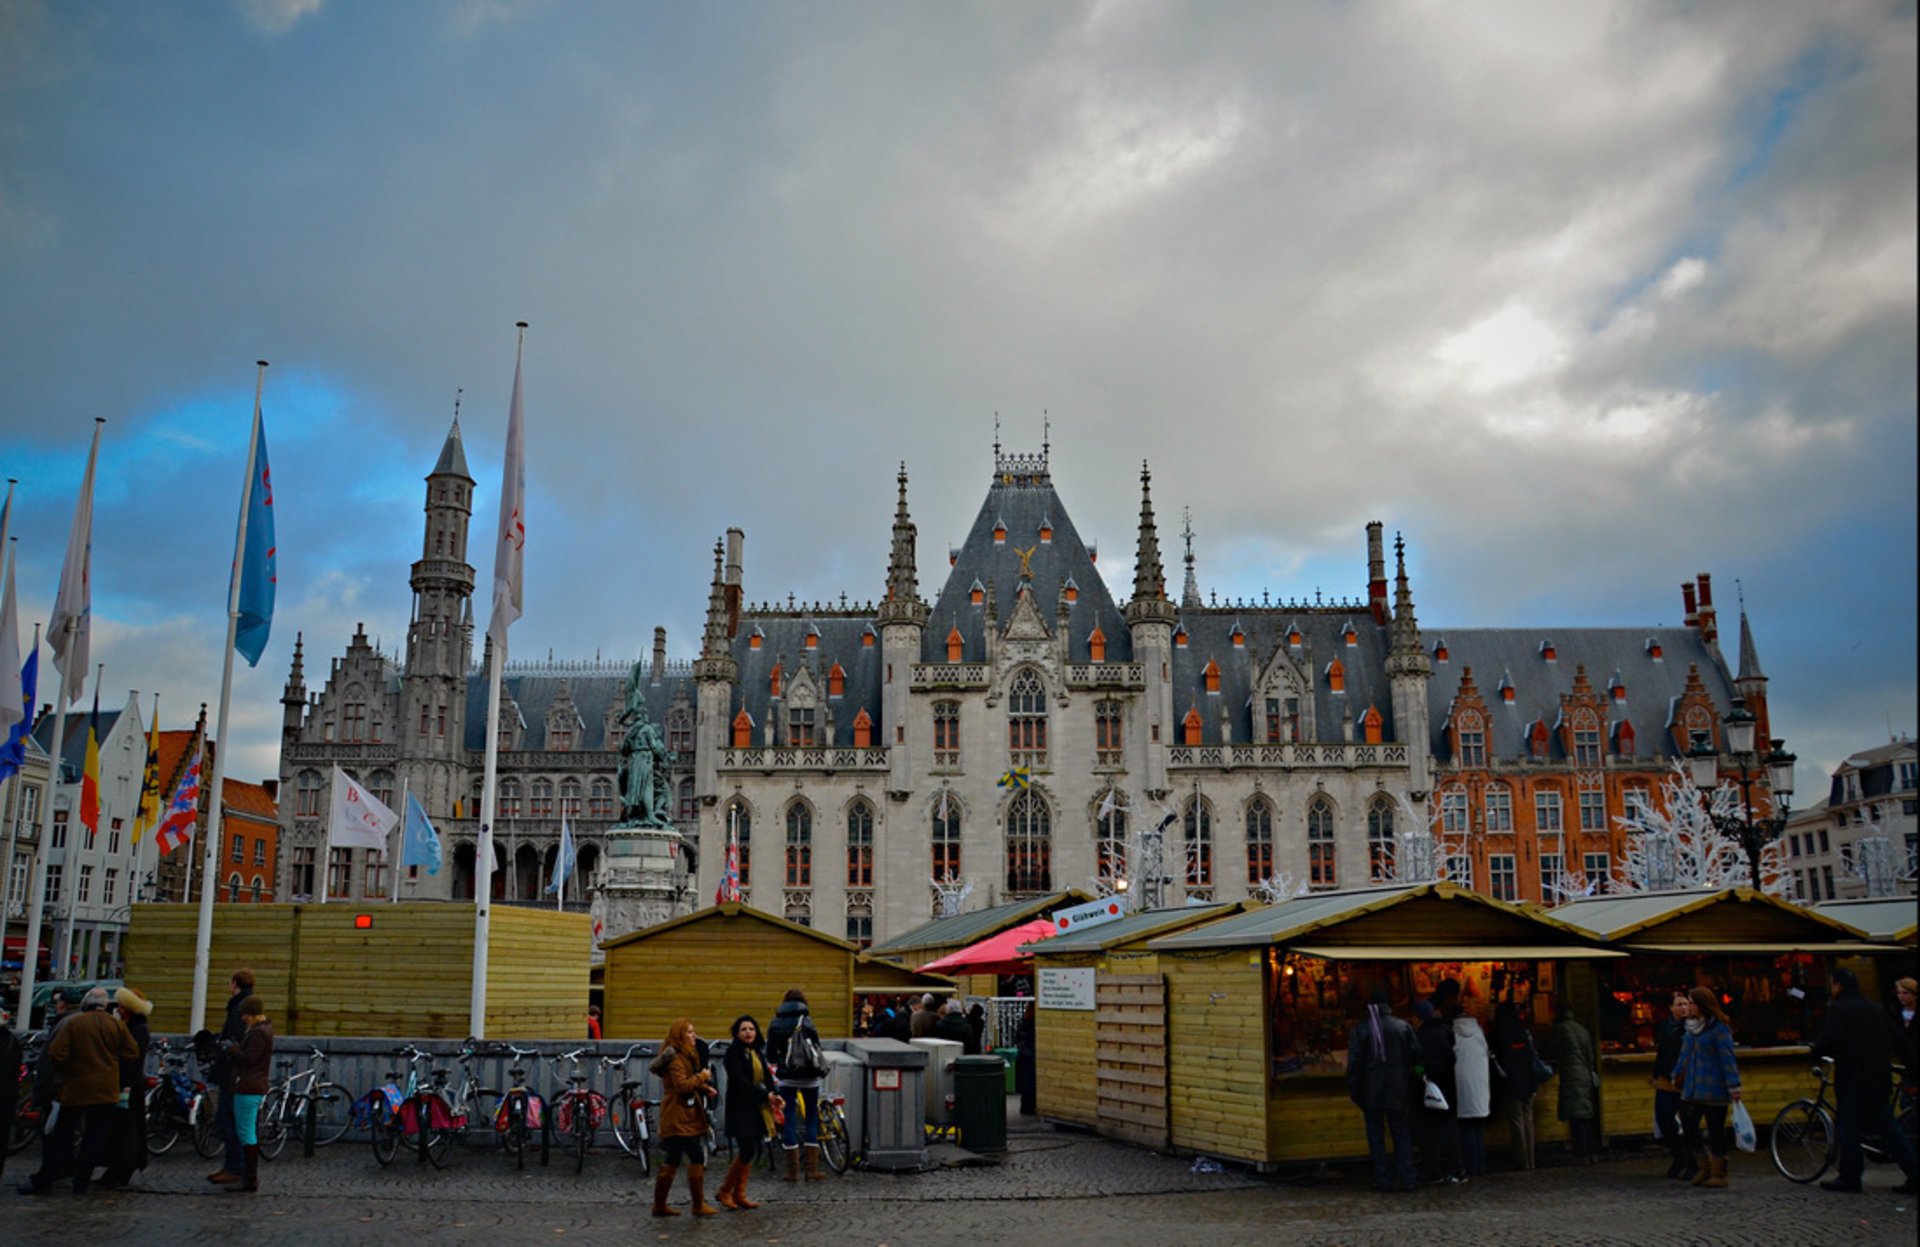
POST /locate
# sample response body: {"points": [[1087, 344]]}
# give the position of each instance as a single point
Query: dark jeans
{"points": [[1666, 1111], [791, 1132], [1583, 1139], [1438, 1135], [93, 1123], [1473, 1145], [1385, 1172], [1858, 1112], [236, 1161], [1714, 1139]]}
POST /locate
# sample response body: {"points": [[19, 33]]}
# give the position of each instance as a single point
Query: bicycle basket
{"points": [[536, 1110], [596, 1109]]}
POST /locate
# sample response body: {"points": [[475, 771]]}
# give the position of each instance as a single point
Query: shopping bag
{"points": [[1743, 1136], [1434, 1098]]}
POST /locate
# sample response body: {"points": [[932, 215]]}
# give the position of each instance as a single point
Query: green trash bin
{"points": [[980, 1102], [1009, 1055]]}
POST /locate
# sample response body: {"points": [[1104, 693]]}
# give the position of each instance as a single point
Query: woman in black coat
{"points": [[749, 1116], [1513, 1067], [127, 1145]]}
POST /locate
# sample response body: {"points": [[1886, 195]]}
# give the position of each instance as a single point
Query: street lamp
{"points": [[1753, 830]]}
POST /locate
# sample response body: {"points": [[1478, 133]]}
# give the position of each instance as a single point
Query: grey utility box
{"points": [[892, 1097], [846, 1077], [941, 1054]]}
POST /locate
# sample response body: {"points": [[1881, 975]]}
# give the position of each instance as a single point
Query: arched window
{"points": [[540, 799], [799, 845], [1259, 841], [1320, 858], [259, 888], [946, 838], [1027, 719], [233, 889], [1380, 841], [739, 825], [1199, 827], [600, 799], [508, 799], [570, 798], [680, 730], [380, 787], [860, 845], [1110, 840], [306, 794], [1029, 844]]}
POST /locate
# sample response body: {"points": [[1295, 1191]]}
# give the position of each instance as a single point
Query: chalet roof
{"points": [[1748, 921], [963, 929], [1143, 925], [1886, 919], [730, 910]]}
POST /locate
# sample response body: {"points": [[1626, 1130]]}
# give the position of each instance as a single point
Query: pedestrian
{"points": [[10, 1055], [249, 1065], [1578, 1064], [127, 1147], [749, 1115], [793, 1045], [1380, 1074], [1473, 1090], [953, 1026], [1437, 1130], [1026, 1062], [46, 1074], [977, 1023], [232, 1031], [1709, 1080], [593, 1023], [685, 1083], [1905, 993], [87, 1051], [1666, 1092], [1516, 1065], [898, 1022], [925, 1018], [1865, 1043]]}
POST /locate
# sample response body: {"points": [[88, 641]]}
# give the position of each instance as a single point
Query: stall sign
{"points": [[886, 1080], [1066, 989], [1091, 914]]}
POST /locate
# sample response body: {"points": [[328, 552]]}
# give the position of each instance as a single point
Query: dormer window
{"points": [[836, 682], [863, 730], [1212, 674], [1506, 689], [1097, 646], [1293, 638], [955, 645], [953, 555], [1538, 739], [1046, 532], [866, 639], [999, 532], [1239, 639], [1336, 676], [1440, 652], [813, 638], [1180, 638], [1548, 652], [1623, 739], [1071, 592], [1093, 552], [1350, 636], [773, 681], [1371, 725], [977, 594], [754, 640], [1618, 689], [1190, 728], [742, 730], [1654, 650]]}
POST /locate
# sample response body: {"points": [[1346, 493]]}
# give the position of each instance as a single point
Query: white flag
{"points": [[11, 691], [357, 819], [509, 574], [1106, 807], [72, 623]]}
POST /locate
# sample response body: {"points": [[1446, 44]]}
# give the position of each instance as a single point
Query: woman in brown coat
{"points": [[685, 1089]]}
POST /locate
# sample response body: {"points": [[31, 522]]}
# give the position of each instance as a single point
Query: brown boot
{"points": [[724, 1196], [1719, 1178], [792, 1173], [740, 1200], [697, 1187], [662, 1183], [220, 1177], [810, 1161], [250, 1182], [1705, 1172]]}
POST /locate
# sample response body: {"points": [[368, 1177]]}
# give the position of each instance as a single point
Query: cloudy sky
{"points": [[1585, 298]]}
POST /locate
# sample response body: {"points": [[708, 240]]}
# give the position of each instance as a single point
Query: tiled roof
{"points": [[252, 800]]}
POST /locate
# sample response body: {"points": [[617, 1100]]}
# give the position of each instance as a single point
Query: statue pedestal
{"points": [[641, 878]]}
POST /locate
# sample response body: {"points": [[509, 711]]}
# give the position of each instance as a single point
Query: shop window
{"points": [[1029, 844], [1259, 841], [799, 845], [860, 845], [1199, 843], [946, 733], [1381, 846], [1322, 873]]}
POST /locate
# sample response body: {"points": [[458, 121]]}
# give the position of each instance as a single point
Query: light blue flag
{"points": [[563, 860], [420, 843], [257, 562]]}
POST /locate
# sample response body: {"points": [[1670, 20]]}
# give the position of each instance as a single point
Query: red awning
{"points": [[997, 954]]}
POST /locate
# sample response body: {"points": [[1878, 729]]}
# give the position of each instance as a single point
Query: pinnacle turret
{"points": [[1149, 575], [1749, 656], [1190, 591], [713, 643], [903, 604]]}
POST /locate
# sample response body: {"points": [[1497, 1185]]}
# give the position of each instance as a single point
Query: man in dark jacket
{"points": [[1380, 1063], [87, 1050], [1864, 1044], [1437, 1129]]}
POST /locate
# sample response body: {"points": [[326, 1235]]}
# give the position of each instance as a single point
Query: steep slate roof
{"points": [[784, 641], [1022, 506], [73, 746], [453, 455], [1653, 687], [592, 694], [1322, 629]]}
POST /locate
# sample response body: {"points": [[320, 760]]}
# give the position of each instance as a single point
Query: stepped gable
{"points": [[1210, 638], [594, 691], [1653, 686], [783, 641], [1022, 498]]}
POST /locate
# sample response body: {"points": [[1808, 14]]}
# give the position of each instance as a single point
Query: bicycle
{"points": [[632, 1128], [578, 1110], [521, 1111], [28, 1120], [469, 1105], [177, 1104], [836, 1145], [420, 1111], [1805, 1141], [289, 1102]]}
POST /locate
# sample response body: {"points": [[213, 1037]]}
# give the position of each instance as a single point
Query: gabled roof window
{"points": [[1440, 650], [755, 638], [836, 681], [999, 532], [1180, 638], [1336, 676], [977, 594], [1046, 532], [1097, 645], [1239, 637], [956, 645], [773, 681], [1071, 591], [1212, 675], [1548, 652], [1655, 650]]}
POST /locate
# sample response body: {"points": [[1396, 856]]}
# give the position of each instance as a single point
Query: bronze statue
{"points": [[644, 796]]}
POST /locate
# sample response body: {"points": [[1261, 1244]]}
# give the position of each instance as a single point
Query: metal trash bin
{"points": [[980, 1102], [1009, 1055], [893, 1117]]}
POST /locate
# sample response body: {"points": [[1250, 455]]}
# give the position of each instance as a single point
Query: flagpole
{"points": [[209, 852], [37, 882], [393, 888], [559, 868]]}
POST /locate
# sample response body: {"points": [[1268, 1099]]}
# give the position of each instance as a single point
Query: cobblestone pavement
{"points": [[1050, 1188]]}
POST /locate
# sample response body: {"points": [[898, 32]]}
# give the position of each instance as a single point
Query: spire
{"points": [[297, 677], [902, 604], [1749, 656], [453, 455], [1190, 592], [1149, 576], [1406, 655], [714, 643]]}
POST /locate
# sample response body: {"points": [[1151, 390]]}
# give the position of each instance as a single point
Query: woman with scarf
{"points": [[1380, 1060], [1709, 1080], [750, 1100], [685, 1084]]}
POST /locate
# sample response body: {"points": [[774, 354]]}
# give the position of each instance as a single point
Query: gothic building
{"points": [[1015, 733]]}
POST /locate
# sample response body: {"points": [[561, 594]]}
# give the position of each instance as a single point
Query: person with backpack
{"points": [[793, 1049]]}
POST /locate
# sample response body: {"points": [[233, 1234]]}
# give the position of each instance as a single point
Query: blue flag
{"points": [[13, 754], [419, 843], [563, 860], [257, 573]]}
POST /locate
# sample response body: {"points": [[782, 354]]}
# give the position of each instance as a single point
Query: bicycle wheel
{"points": [[163, 1129], [332, 1111], [206, 1129], [439, 1139], [271, 1128], [514, 1138], [26, 1127], [383, 1129], [835, 1148], [1802, 1141]]}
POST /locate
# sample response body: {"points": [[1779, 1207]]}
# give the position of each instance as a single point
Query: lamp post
{"points": [[1753, 830]]}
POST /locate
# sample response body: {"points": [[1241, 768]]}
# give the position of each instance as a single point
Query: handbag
{"points": [[1433, 1097], [1541, 1070], [1743, 1135]]}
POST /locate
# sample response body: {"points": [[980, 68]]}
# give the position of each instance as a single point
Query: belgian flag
{"points": [[90, 774]]}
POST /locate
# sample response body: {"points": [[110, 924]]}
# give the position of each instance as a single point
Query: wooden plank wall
{"points": [[1768, 1083], [1130, 1030], [1217, 1053], [718, 968], [1064, 1044], [410, 973], [160, 947], [538, 974]]}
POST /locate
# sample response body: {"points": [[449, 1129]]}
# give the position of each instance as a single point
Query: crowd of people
{"points": [[1426, 1093]]}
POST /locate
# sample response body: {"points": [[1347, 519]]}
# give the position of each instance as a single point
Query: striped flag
{"points": [[12, 694], [1018, 777], [729, 890], [90, 774], [149, 812], [183, 808]]}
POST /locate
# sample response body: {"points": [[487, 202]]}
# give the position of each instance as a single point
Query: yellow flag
{"points": [[149, 812]]}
